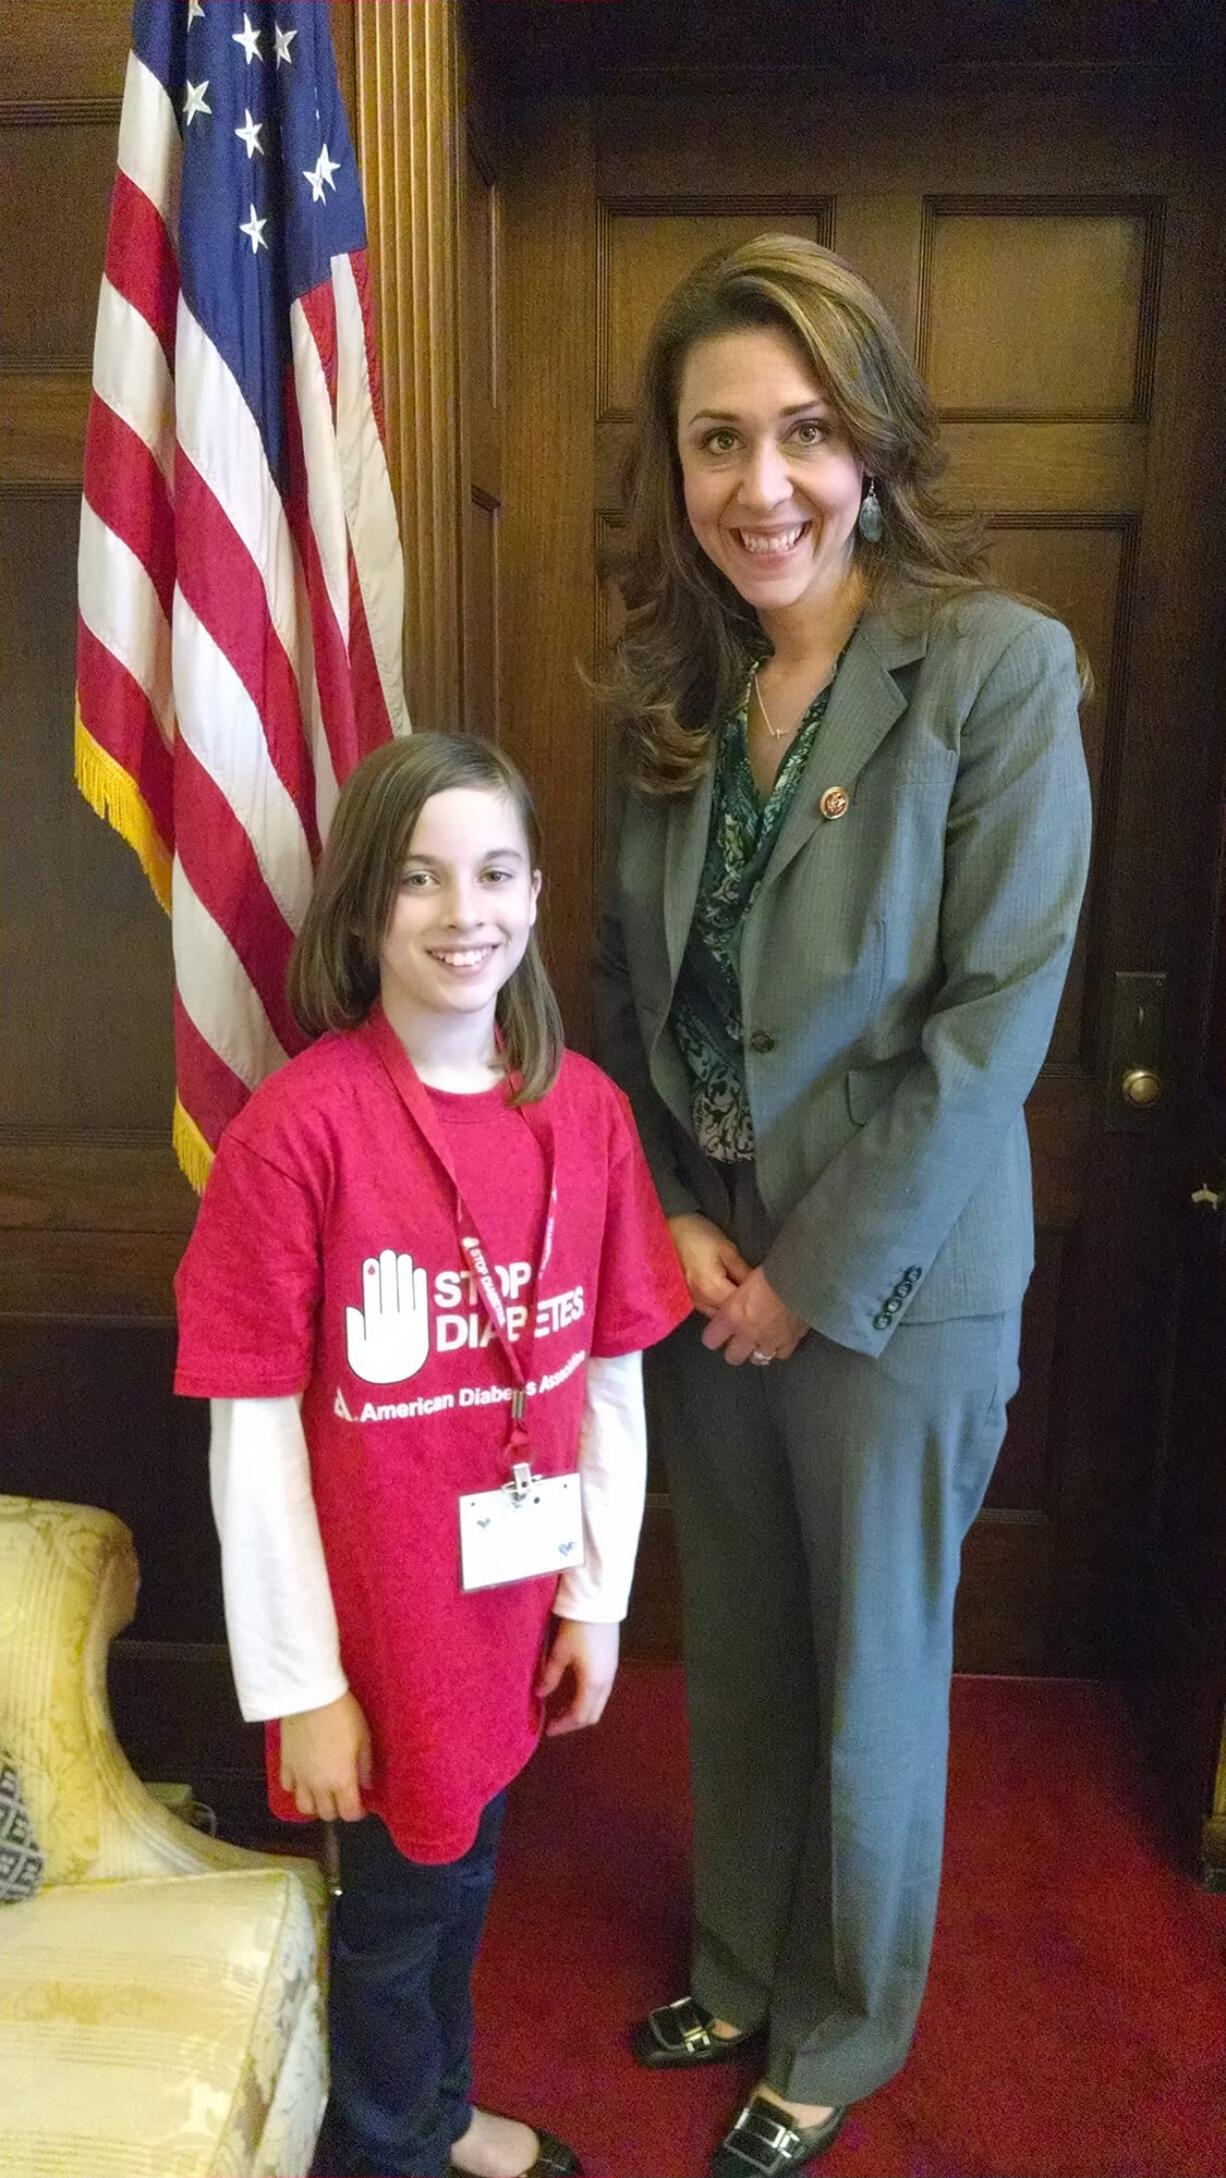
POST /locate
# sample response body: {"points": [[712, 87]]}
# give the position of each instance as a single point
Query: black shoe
{"points": [[680, 2035], [761, 2144], [553, 2160]]}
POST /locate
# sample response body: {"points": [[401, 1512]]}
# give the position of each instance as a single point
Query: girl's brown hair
{"points": [[334, 968], [689, 639]]}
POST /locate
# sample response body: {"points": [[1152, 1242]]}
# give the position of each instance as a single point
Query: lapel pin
{"points": [[835, 802]]}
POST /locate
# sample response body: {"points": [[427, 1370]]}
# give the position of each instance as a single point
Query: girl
{"points": [[425, 1266]]}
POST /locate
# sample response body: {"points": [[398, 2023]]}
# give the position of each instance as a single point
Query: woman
{"points": [[835, 927]]}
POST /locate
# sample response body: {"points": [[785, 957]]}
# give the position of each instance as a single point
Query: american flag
{"points": [[240, 580]]}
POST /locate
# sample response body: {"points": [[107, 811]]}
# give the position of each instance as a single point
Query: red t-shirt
{"points": [[406, 1393]]}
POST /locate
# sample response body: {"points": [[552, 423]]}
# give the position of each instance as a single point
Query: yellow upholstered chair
{"points": [[160, 1995]]}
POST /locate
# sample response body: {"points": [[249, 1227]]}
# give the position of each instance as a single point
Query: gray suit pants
{"points": [[820, 1507]]}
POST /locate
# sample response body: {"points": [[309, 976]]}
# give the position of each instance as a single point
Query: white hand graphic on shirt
{"points": [[388, 1338]]}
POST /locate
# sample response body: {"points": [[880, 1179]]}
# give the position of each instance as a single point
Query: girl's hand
{"points": [[589, 1653], [755, 1320], [712, 1265], [325, 1760]]}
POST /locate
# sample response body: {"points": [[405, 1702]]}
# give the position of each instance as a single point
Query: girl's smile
{"points": [[463, 910]]}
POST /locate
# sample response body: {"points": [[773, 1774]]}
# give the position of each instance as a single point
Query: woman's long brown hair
{"points": [[334, 968]]}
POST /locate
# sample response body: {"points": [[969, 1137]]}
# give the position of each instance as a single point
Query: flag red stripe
{"points": [[372, 723], [127, 491], [220, 865], [223, 585], [332, 674], [209, 1091], [140, 261], [117, 713]]}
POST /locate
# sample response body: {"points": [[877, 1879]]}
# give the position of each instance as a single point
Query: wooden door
{"points": [[1051, 247], [1178, 1677]]}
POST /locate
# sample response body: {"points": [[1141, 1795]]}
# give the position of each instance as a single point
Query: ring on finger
{"points": [[761, 1358]]}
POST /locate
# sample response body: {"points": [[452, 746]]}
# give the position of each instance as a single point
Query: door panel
{"points": [[1048, 253], [1034, 313]]}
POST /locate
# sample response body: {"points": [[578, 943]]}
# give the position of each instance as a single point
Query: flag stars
{"points": [[284, 39], [194, 102], [249, 40], [253, 227], [321, 175], [250, 134]]}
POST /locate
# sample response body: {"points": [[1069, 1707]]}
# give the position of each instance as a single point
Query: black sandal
{"points": [[761, 2144], [677, 2035]]}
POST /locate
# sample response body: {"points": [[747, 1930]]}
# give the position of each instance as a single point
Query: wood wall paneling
{"points": [[85, 948], [64, 164], [880, 233], [1084, 569], [407, 63], [481, 481], [642, 49], [1037, 314], [646, 249], [1157, 894], [482, 707], [934, 137], [42, 430], [1029, 1463], [100, 1425], [550, 316], [46, 67]]}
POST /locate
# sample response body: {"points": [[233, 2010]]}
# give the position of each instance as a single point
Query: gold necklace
{"points": [[777, 733]]}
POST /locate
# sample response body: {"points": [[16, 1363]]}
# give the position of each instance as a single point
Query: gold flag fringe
{"points": [[191, 1149], [114, 794]]}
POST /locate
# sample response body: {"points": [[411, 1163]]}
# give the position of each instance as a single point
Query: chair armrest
{"points": [[68, 1582]]}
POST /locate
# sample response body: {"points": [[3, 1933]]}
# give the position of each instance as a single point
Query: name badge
{"points": [[532, 1526]]}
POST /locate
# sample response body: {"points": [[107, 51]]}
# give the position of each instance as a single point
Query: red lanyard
{"points": [[416, 1099]]}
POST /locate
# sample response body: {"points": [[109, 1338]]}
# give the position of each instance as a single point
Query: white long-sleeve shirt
{"points": [[280, 1617]]}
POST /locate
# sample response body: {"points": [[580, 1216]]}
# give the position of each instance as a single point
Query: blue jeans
{"points": [[404, 1938]]}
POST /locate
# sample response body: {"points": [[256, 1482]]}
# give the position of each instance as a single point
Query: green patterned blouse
{"points": [[706, 1010]]}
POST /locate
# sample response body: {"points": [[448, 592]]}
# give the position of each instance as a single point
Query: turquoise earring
{"points": [[869, 523]]}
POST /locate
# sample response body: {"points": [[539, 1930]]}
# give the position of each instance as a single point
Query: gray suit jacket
{"points": [[901, 966]]}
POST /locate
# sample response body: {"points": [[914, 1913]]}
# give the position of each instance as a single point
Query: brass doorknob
{"points": [[1141, 1086]]}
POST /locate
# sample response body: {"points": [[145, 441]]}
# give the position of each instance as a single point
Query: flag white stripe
{"points": [[374, 531], [219, 435], [150, 147], [121, 608], [223, 728], [218, 995], [323, 469], [132, 377]]}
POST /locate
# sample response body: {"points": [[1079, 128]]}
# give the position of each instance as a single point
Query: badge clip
{"points": [[521, 1481]]}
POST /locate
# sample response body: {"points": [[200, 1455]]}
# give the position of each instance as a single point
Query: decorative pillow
{"points": [[21, 1861]]}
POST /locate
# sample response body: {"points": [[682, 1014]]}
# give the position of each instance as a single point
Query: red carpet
{"points": [[1075, 2024]]}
